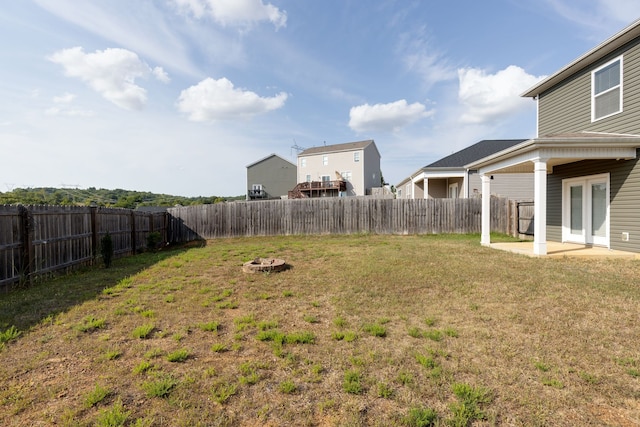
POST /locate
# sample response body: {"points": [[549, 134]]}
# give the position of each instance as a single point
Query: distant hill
{"points": [[101, 197]]}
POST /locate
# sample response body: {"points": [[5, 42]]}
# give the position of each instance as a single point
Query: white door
{"points": [[586, 210]]}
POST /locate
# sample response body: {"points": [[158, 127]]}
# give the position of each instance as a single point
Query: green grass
{"points": [[472, 336]]}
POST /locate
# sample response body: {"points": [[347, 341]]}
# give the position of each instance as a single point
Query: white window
{"points": [[356, 156], [453, 190], [407, 191], [346, 176], [257, 187], [606, 87], [308, 178], [325, 160], [326, 178], [303, 162]]}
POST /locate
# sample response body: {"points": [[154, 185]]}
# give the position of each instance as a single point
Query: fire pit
{"points": [[263, 265]]}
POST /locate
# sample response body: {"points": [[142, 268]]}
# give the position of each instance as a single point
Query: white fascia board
{"points": [[445, 174]]}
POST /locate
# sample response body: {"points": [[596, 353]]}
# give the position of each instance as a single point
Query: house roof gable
{"points": [[474, 152], [267, 158], [349, 146], [616, 41]]}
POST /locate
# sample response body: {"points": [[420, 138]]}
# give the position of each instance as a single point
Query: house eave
{"points": [[558, 150]]}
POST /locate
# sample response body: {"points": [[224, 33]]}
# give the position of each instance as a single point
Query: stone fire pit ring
{"points": [[261, 265]]}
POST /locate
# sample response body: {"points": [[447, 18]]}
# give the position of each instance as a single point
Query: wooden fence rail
{"points": [[338, 216], [35, 240]]}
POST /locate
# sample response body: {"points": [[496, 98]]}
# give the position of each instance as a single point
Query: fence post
{"points": [[133, 233], [28, 252], [94, 233]]}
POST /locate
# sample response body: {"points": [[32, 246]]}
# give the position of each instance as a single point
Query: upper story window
{"points": [[356, 156], [606, 89], [325, 160], [303, 162]]}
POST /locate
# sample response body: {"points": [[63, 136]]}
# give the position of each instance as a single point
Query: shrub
{"points": [[421, 417], [153, 240], [106, 249]]}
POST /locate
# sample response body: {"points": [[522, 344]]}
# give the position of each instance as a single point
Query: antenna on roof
{"points": [[296, 147]]}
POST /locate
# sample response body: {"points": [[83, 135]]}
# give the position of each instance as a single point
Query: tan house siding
{"points": [[624, 202], [566, 107], [276, 176]]}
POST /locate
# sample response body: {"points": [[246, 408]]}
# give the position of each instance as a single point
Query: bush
{"points": [[106, 249], [153, 240]]}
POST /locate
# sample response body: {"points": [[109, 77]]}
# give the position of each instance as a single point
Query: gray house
{"points": [[450, 178], [270, 178], [349, 169], [585, 157]]}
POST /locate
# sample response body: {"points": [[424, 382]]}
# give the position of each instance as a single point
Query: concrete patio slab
{"points": [[555, 249]]}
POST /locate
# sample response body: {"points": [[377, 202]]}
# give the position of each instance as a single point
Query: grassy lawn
{"points": [[360, 330]]}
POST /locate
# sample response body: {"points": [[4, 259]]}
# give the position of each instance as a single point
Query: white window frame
{"points": [[593, 89], [303, 162], [325, 160], [308, 178], [356, 156], [346, 175], [454, 187], [585, 237]]}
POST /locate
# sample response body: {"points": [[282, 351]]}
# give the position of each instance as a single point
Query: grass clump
{"points": [[209, 326], [287, 387], [143, 331], [421, 417], [219, 347], [115, 416], [223, 391], [142, 367], [469, 405], [178, 356], [159, 387], [352, 383], [95, 396], [376, 330], [91, 323]]}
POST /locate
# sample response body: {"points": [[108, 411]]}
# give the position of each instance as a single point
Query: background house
{"points": [[585, 157], [270, 178], [350, 169], [450, 178]]}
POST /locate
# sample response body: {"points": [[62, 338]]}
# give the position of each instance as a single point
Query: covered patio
{"points": [[539, 156]]}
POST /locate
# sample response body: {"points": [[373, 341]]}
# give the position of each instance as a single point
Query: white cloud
{"points": [[235, 12], [110, 72], [161, 75], [488, 97], [218, 100], [386, 117]]}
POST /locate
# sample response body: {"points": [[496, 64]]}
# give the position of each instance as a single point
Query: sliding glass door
{"points": [[586, 210]]}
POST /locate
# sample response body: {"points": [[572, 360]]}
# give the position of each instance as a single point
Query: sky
{"points": [[179, 96]]}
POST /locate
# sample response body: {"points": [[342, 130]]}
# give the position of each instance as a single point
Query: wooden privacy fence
{"points": [[338, 216], [41, 239]]}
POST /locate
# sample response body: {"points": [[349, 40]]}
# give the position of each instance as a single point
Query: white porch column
{"points": [[540, 206], [485, 238], [426, 189]]}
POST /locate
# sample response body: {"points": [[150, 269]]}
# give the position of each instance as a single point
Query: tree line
{"points": [[92, 196]]}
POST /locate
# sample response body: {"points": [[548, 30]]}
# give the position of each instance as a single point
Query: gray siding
{"points": [[566, 108], [624, 203], [276, 175]]}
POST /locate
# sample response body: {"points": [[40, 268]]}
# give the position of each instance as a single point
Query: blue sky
{"points": [[179, 96]]}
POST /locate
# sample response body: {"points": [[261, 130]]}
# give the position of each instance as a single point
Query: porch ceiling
{"points": [[557, 150]]}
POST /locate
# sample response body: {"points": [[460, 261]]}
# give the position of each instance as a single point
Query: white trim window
{"points": [[453, 191], [346, 176], [303, 162], [325, 160], [356, 156], [606, 90], [308, 178], [585, 210]]}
